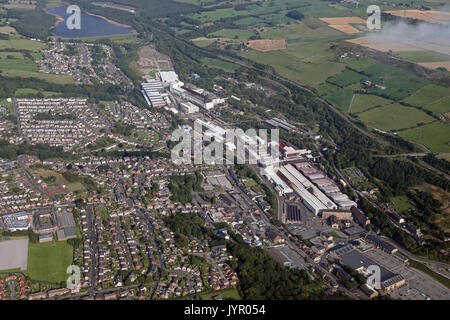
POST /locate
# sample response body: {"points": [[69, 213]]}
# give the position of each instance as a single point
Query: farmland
{"points": [[427, 95], [363, 102], [435, 136], [309, 59], [394, 117]]}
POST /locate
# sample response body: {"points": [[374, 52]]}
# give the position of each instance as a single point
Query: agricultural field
{"points": [[346, 78], [219, 64], [441, 106], [363, 102], [267, 45], [427, 95], [341, 98], [435, 136], [49, 261], [422, 56], [18, 43], [306, 62], [394, 117], [17, 64]]}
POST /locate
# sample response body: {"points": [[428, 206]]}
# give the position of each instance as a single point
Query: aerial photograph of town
{"points": [[225, 156]]}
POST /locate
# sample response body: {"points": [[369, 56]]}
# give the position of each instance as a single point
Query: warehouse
{"points": [[381, 244], [280, 186], [309, 200], [310, 187], [188, 107]]}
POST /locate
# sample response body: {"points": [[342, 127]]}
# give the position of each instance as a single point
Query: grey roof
{"points": [[356, 260]]}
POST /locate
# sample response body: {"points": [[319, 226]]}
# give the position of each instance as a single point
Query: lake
{"points": [[91, 26]]}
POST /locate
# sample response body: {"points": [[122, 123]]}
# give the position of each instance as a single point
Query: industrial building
{"points": [[325, 184], [281, 124], [188, 107], [197, 96], [381, 244], [311, 196], [280, 186], [356, 260], [151, 91], [359, 217], [168, 77]]}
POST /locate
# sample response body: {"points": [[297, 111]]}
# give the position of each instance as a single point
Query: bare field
{"points": [[343, 20], [380, 46], [343, 24], [14, 254], [345, 28], [150, 61], [267, 45], [435, 65], [431, 16]]}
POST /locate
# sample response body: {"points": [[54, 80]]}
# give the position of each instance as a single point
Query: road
{"points": [[93, 240]]}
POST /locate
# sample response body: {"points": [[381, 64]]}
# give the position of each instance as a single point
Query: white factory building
{"points": [[311, 196], [280, 186], [188, 107]]}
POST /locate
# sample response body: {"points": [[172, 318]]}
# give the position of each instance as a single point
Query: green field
{"points": [[219, 64], [394, 117], [401, 203], [423, 56], [428, 94], [75, 186], [21, 44], [306, 62], [440, 106], [241, 34], [327, 88], [17, 63], [362, 102], [49, 261], [341, 98], [435, 136], [346, 78]]}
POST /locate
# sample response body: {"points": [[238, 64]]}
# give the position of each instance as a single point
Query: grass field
{"points": [[401, 203], [17, 63], [49, 261], [423, 56], [241, 34], [219, 64], [308, 63], [435, 136], [428, 94], [75, 186], [253, 185], [47, 173], [346, 78], [21, 44], [440, 106], [341, 98], [394, 117], [363, 102]]}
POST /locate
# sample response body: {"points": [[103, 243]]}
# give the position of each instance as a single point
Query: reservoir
{"points": [[91, 26]]}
